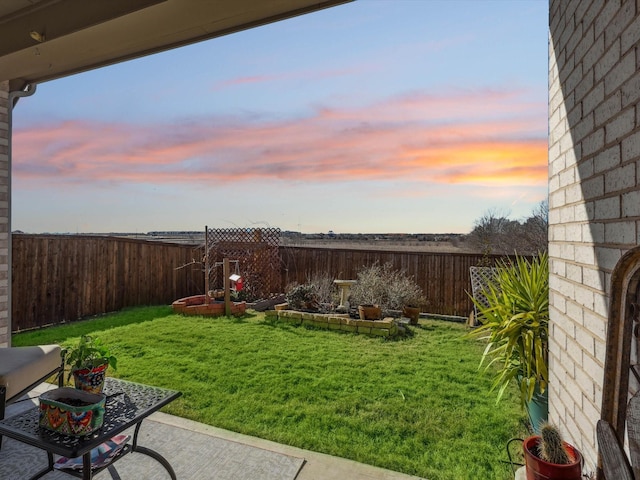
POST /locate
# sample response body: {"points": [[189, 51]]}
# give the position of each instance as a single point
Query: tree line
{"points": [[495, 233]]}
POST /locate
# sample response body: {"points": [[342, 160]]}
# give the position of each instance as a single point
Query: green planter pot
{"points": [[538, 410]]}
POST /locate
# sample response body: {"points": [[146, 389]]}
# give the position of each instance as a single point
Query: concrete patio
{"points": [[317, 466]]}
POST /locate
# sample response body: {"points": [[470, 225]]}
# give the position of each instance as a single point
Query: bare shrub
{"points": [[386, 287], [326, 290], [319, 290], [404, 291], [303, 297], [370, 288]]}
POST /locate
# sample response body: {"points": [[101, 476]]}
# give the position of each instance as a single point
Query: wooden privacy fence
{"points": [[59, 278], [443, 277]]}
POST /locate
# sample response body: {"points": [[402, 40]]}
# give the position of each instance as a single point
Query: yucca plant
{"points": [[515, 323]]}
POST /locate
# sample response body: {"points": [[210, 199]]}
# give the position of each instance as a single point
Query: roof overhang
{"points": [[42, 40]]}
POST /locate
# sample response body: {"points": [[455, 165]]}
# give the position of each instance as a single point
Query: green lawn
{"points": [[417, 405]]}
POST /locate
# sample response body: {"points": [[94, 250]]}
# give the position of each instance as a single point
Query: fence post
{"points": [[227, 289]]}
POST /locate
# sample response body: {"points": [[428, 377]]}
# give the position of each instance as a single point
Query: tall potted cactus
{"points": [[548, 457]]}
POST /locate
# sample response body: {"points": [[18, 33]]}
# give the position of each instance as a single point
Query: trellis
{"points": [[256, 251], [480, 279]]}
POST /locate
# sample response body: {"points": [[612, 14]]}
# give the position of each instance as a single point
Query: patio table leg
{"points": [[87, 473], [152, 453]]}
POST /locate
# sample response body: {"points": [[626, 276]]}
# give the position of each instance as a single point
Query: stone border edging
{"points": [[386, 327]]}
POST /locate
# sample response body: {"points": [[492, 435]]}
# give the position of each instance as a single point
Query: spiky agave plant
{"points": [[551, 446], [515, 323]]}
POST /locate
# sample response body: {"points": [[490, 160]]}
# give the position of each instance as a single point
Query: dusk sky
{"points": [[399, 116]]}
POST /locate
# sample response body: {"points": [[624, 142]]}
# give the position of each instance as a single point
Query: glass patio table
{"points": [[127, 404]]}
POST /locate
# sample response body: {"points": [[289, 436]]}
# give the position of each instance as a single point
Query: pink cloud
{"points": [[287, 76], [487, 138], [234, 82]]}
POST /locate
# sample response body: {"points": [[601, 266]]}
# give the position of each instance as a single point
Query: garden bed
{"points": [[197, 305], [387, 327]]}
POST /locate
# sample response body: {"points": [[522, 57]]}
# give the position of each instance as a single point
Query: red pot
{"points": [[538, 469]]}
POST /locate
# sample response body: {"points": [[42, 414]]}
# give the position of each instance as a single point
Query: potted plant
{"points": [[380, 289], [515, 323], [369, 292], [548, 456], [404, 294], [88, 362]]}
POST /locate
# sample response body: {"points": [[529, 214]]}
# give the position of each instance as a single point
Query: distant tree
{"points": [[495, 233], [536, 229], [488, 231]]}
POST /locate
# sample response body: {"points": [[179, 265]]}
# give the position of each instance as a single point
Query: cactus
{"points": [[551, 446]]}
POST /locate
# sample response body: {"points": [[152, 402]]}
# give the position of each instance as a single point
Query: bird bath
{"points": [[344, 286]]}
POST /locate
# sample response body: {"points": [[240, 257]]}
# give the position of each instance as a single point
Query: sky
{"points": [[378, 116]]}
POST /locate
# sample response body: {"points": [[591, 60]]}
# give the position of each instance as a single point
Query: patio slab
{"points": [[317, 466]]}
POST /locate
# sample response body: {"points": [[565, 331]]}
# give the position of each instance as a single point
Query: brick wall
{"points": [[594, 195], [5, 336]]}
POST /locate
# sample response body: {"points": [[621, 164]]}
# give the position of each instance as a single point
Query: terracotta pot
{"points": [[412, 313], [369, 312], [90, 379], [538, 469]]}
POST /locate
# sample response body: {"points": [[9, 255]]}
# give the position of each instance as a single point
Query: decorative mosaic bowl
{"points": [[71, 411]]}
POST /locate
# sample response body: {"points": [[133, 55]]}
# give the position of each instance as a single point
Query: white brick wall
{"points": [[594, 120]]}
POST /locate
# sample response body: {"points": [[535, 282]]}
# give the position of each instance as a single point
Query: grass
{"points": [[417, 405]]}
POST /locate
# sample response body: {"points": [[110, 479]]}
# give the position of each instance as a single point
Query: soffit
{"points": [[77, 35]]}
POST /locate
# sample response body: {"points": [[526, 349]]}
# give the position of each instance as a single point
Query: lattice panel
{"points": [[258, 258], [480, 279]]}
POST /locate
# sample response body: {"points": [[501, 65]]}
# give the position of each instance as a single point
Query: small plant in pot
{"points": [[88, 362], [547, 456]]}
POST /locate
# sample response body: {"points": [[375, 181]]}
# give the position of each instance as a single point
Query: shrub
{"points": [[326, 291], [386, 287], [404, 291], [303, 297], [318, 293], [371, 288]]}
